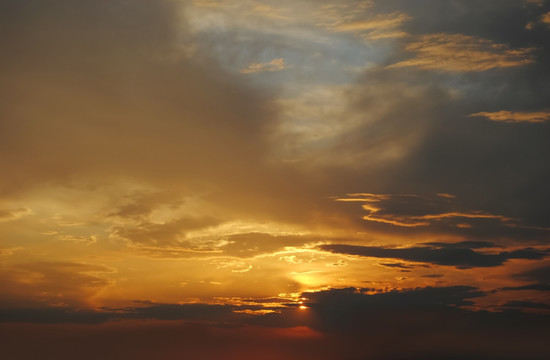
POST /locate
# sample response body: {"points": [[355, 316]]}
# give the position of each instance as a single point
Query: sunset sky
{"points": [[292, 179]]}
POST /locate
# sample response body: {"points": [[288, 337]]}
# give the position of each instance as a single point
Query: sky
{"points": [[307, 179]]}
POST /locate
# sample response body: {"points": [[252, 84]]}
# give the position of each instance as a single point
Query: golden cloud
{"points": [[462, 53], [273, 65], [515, 117], [381, 26]]}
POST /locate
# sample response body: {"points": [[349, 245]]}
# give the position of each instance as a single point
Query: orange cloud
{"points": [[52, 283], [7, 215], [273, 65], [379, 210], [381, 26], [515, 117], [462, 53]]}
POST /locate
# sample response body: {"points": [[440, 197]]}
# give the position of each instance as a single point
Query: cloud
{"points": [[328, 328], [52, 283], [269, 11], [540, 274], [8, 215], [218, 314], [464, 245], [538, 287], [283, 314], [543, 20], [409, 210], [462, 53], [433, 276], [427, 297], [170, 233], [397, 265], [457, 255], [273, 65], [174, 113], [252, 244], [525, 304], [515, 117], [380, 26]]}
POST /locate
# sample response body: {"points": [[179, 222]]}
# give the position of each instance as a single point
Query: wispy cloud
{"points": [[273, 65], [381, 26], [515, 117], [409, 210], [359, 19], [7, 215], [462, 53]]}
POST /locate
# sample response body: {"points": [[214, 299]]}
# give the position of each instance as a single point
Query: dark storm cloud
{"points": [[460, 257]]}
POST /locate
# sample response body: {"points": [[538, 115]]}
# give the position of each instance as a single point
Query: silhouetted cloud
{"points": [[397, 265], [464, 245], [525, 304], [433, 276], [539, 287], [458, 255], [337, 316]]}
